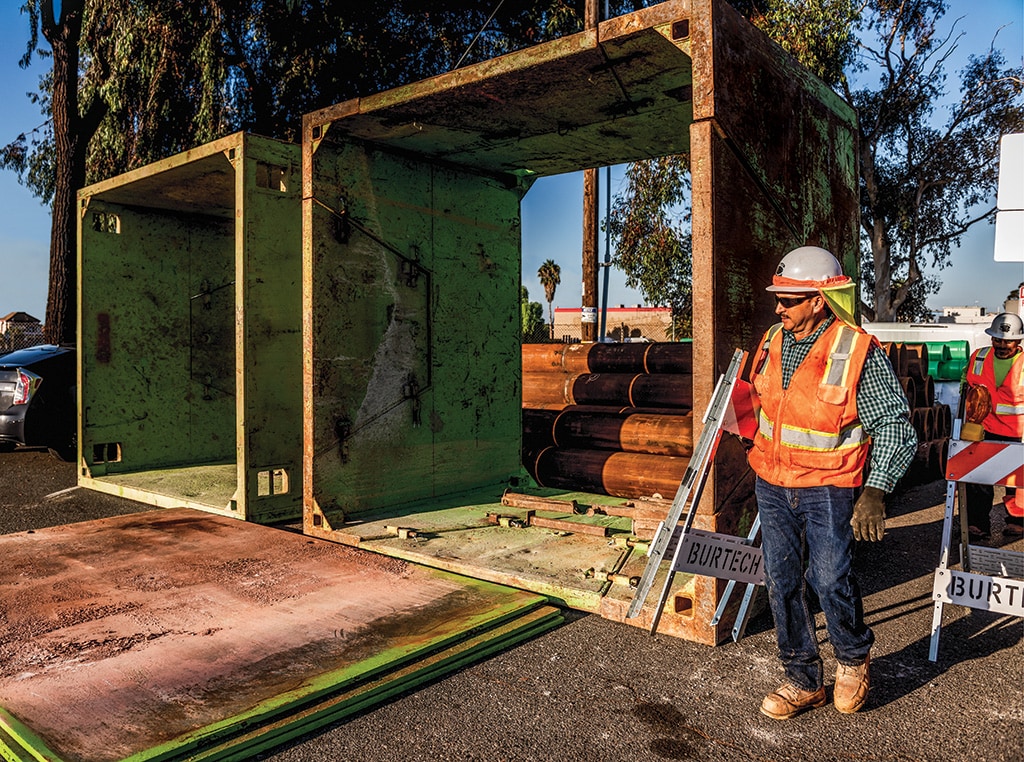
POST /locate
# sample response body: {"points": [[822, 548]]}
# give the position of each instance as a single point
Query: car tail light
{"points": [[26, 386]]}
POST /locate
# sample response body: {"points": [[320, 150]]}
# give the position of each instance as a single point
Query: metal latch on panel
{"points": [[411, 267], [342, 431], [342, 229]]}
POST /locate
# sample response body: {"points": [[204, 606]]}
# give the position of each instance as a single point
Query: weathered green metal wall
{"points": [[412, 345], [268, 331], [158, 365]]}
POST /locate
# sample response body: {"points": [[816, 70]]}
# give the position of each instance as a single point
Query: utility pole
{"points": [[588, 315]]}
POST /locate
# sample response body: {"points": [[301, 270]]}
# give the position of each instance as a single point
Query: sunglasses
{"points": [[792, 301]]}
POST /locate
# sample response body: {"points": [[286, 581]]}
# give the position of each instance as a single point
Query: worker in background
{"points": [[997, 374], [828, 398]]}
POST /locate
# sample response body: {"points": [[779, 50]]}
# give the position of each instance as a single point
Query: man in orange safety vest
{"points": [[829, 407], [996, 374]]}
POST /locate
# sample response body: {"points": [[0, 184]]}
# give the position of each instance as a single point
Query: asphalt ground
{"points": [[594, 690]]}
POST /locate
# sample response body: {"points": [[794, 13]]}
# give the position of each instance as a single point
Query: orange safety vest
{"points": [[1007, 416], [809, 435]]}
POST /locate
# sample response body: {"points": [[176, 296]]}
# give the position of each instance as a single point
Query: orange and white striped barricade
{"points": [[991, 579]]}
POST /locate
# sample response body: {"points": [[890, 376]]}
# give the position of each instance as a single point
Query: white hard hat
{"points": [[806, 270], [1006, 325]]}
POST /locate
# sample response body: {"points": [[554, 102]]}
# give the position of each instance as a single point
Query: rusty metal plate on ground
{"points": [[166, 631]]}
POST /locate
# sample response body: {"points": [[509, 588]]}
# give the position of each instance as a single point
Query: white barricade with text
{"points": [[992, 579]]}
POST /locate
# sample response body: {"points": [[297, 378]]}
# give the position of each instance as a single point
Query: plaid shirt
{"points": [[881, 406]]}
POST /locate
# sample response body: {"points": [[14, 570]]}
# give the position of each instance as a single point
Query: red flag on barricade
{"points": [[740, 416]]}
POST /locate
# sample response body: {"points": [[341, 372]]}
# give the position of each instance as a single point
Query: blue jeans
{"points": [[806, 537]]}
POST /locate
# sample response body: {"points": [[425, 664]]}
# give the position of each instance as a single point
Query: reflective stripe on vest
{"points": [[808, 439], [979, 360], [836, 370]]}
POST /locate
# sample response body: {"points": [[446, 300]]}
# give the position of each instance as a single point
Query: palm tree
{"points": [[550, 276]]}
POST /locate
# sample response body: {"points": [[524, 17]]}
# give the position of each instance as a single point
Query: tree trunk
{"points": [[69, 159]]}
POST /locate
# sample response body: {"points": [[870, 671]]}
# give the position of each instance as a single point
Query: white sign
{"points": [[589, 315], [1009, 232], [1010, 193], [978, 591], [724, 556], [1009, 246]]}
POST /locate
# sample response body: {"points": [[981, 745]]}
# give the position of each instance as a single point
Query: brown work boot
{"points": [[788, 700], [852, 686]]}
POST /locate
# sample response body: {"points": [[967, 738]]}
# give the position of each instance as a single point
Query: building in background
{"points": [[18, 330], [964, 314], [636, 323]]}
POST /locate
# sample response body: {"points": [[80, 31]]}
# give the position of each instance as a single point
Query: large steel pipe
{"points": [[539, 358], [621, 389], [669, 357], [539, 424], [662, 390], [547, 390], [604, 358], [665, 357], [620, 474], [641, 432]]}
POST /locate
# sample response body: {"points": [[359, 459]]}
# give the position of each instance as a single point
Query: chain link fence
{"points": [[20, 338]]}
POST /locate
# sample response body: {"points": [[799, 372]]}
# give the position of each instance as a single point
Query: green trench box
{"points": [[332, 332], [411, 273], [190, 331]]}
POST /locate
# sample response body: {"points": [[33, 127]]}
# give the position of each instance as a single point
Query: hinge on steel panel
{"points": [[411, 391], [342, 228], [411, 267]]}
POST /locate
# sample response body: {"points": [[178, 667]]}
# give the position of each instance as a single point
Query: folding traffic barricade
{"points": [[991, 579]]}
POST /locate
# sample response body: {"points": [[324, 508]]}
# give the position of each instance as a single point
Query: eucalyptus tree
{"points": [[650, 221], [925, 179], [133, 81], [130, 82]]}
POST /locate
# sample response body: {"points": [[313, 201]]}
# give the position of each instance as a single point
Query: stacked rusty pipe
{"points": [[610, 419], [932, 421]]}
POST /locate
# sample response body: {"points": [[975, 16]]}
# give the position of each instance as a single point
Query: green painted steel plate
{"points": [[177, 633]]}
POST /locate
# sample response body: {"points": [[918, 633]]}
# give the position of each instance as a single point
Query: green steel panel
{"points": [[136, 348], [585, 100], [269, 335], [406, 403], [176, 633]]}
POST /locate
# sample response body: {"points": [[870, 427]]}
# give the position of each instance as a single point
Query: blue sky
{"points": [[552, 210]]}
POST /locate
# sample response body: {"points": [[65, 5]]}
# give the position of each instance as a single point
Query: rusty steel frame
{"points": [[773, 162]]}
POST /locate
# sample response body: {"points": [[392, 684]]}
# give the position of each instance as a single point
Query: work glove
{"points": [[868, 520]]}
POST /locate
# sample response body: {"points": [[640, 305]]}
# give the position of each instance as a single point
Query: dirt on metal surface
{"points": [[122, 634]]}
